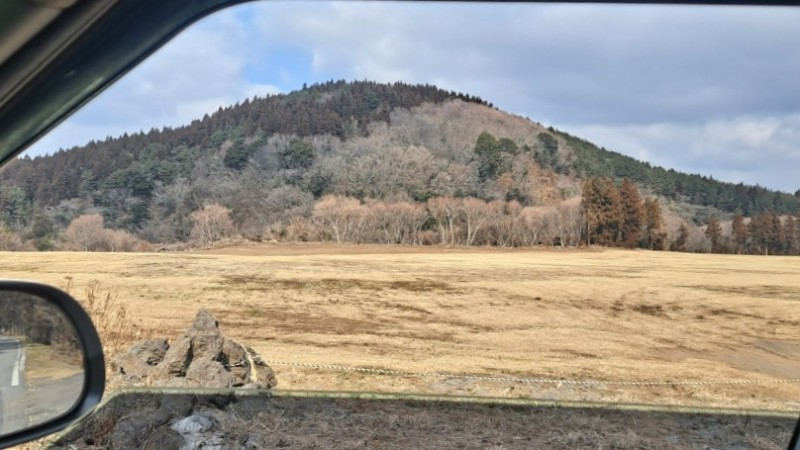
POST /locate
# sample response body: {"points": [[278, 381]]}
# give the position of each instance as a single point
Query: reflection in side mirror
{"points": [[49, 355], [41, 363]]}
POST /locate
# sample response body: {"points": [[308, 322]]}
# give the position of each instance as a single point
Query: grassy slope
{"points": [[602, 315]]}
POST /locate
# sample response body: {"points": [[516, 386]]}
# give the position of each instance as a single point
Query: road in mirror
{"points": [[41, 362]]}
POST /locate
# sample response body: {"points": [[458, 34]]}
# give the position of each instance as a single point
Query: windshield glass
{"points": [[559, 202]]}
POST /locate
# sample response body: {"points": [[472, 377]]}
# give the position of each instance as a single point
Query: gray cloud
{"points": [[702, 89], [570, 63]]}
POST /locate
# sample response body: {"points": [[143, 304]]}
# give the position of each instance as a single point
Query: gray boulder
{"points": [[202, 357]]}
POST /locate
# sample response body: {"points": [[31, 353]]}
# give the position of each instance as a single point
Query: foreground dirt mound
{"points": [[250, 420], [202, 357]]}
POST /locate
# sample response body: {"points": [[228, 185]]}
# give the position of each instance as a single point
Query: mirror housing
{"points": [[82, 336]]}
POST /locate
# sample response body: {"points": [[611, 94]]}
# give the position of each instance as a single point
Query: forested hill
{"points": [[335, 108], [272, 161], [593, 161]]}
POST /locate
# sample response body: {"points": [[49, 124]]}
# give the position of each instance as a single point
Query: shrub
{"points": [[87, 233], [110, 317], [11, 240], [211, 224], [121, 241]]}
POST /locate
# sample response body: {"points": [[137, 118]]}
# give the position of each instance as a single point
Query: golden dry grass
{"points": [[599, 315], [44, 362]]}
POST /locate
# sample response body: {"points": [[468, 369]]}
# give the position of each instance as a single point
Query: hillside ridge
{"points": [[271, 161]]}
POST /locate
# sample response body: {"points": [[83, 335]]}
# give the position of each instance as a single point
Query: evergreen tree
{"points": [[602, 213], [506, 145], [740, 234], [299, 154], [633, 214], [759, 230], [237, 156], [777, 238], [714, 234], [487, 150], [546, 150], [88, 184], [790, 235], [654, 236], [679, 245], [16, 209]]}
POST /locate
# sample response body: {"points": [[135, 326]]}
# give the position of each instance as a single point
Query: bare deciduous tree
{"points": [[301, 229], [504, 223], [86, 233], [398, 222], [566, 222], [122, 241], [211, 223], [343, 216], [444, 211], [476, 213], [532, 221]]}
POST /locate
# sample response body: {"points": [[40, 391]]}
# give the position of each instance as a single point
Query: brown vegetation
{"points": [[116, 327], [11, 241], [598, 315], [88, 233], [448, 172], [458, 221], [211, 224]]}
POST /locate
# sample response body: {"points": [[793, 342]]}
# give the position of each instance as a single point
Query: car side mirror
{"points": [[51, 362]]}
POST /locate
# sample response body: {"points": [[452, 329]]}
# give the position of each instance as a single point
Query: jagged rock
{"points": [[172, 406], [206, 372], [202, 357], [198, 432], [196, 423], [164, 438], [127, 434], [137, 362]]}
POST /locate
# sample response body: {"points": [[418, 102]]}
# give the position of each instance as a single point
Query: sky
{"points": [[710, 90]]}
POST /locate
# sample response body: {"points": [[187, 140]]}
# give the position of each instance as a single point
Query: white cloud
{"points": [[742, 149], [199, 71]]}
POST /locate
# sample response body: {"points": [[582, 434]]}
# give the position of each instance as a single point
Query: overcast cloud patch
{"points": [[751, 150]]}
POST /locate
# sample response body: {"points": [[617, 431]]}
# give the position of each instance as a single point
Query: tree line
{"points": [[765, 234], [142, 161], [598, 162], [617, 216], [606, 214]]}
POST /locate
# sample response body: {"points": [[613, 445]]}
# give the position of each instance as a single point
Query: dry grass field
{"points": [[604, 315]]}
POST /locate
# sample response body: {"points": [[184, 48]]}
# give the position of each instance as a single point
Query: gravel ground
{"points": [[261, 419]]}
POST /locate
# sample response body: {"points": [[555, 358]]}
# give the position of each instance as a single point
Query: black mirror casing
{"points": [[93, 361]]}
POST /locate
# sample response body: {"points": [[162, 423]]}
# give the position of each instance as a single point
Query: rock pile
{"points": [[202, 357]]}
